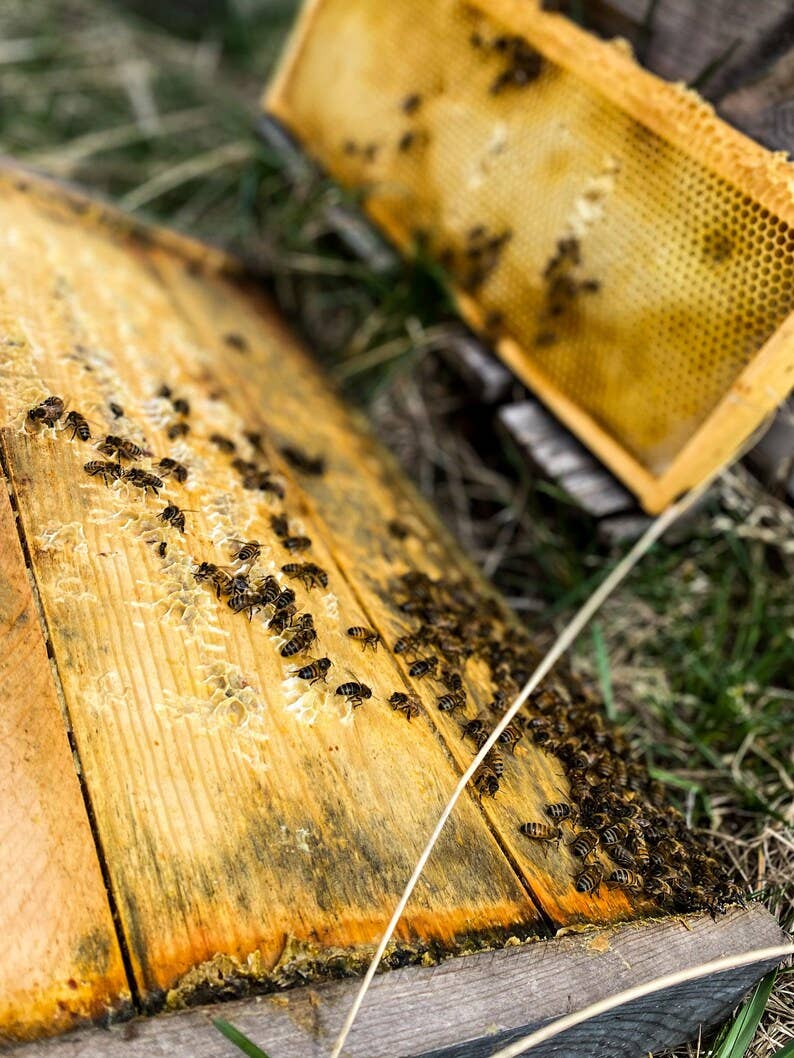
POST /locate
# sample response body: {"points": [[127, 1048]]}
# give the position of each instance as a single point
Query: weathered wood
{"points": [[548, 446], [478, 366], [60, 962], [470, 1006], [686, 40]]}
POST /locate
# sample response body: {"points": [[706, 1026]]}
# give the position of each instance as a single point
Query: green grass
{"points": [[695, 656]]}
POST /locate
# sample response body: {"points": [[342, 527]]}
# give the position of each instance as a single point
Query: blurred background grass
{"points": [[153, 103]]}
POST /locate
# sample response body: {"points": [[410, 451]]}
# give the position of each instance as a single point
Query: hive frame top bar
{"points": [[685, 122]]}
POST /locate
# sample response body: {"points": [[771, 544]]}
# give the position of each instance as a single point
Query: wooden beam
{"points": [[60, 962], [471, 1006]]}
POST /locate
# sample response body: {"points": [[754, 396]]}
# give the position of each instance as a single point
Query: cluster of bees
{"points": [[563, 286], [479, 257], [521, 63], [613, 811]]}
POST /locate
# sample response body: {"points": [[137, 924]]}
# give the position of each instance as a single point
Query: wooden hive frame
{"points": [[208, 808], [337, 82]]}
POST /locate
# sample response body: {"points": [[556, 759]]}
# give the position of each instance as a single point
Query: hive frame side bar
{"points": [[496, 997]]}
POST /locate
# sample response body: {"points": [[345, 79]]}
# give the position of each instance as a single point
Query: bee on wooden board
{"points": [[423, 667], [268, 589], [180, 406], [248, 551], [116, 410], [314, 670], [451, 701], [219, 577], [486, 781], [279, 525], [405, 703], [511, 736], [244, 601], [301, 461], [177, 429], [453, 681], [107, 470], [308, 573], [282, 619], [236, 341], [175, 516], [49, 411], [254, 438], [367, 637], [300, 642], [171, 468], [558, 810], [584, 844], [122, 448], [626, 879], [354, 693], [399, 530], [162, 547], [474, 727], [589, 880], [143, 480], [541, 832], [223, 444], [411, 103], [79, 426], [296, 543], [284, 598]]}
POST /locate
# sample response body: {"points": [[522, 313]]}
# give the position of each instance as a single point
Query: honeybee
{"points": [[296, 543], [368, 637], [162, 548], [255, 440], [423, 667], [245, 466], [405, 703], [178, 429], [173, 515], [249, 551], [236, 341], [268, 589], [121, 448], [220, 578], [48, 411], [171, 468], [107, 470], [144, 480], [406, 141], [397, 529], [285, 598], [614, 834], [411, 103], [511, 736], [626, 879], [116, 410], [452, 680], [558, 810], [165, 392], [486, 781], [543, 832], [279, 525], [474, 727], [222, 443], [406, 644], [79, 425], [309, 574], [299, 460], [301, 640], [180, 406], [449, 702], [584, 844], [244, 600], [314, 671], [589, 880], [621, 855], [355, 693], [282, 619]]}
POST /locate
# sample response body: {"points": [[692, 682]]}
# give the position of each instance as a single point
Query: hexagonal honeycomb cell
{"points": [[628, 253]]}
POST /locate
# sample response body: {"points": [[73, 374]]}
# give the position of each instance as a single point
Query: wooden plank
{"points": [[230, 802], [375, 494], [60, 961], [469, 1006]]}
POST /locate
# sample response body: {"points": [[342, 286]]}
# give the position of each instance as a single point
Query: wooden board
{"points": [[60, 961], [255, 831], [468, 1007], [590, 143]]}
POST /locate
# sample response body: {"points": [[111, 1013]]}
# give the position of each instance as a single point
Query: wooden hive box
{"points": [[184, 819], [628, 253]]}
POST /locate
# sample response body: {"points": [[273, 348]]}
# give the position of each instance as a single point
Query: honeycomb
{"points": [[628, 253]]}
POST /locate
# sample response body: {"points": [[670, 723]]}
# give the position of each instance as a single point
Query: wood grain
{"points": [[467, 1007], [237, 809], [60, 962]]}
